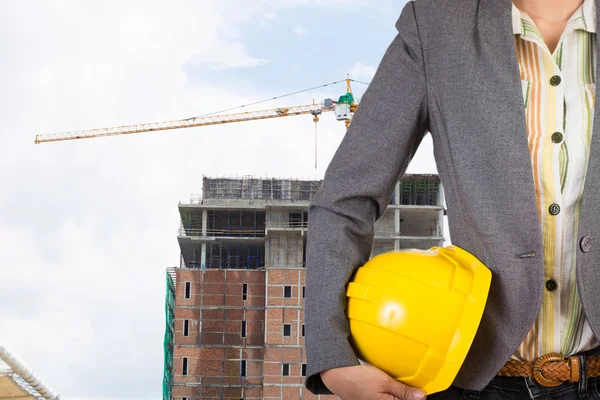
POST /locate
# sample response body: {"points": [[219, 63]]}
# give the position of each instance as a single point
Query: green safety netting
{"points": [[169, 334]]}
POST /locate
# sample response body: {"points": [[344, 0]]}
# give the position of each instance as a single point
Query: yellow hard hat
{"points": [[414, 313]]}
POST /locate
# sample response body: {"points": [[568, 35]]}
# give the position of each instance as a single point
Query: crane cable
{"points": [[276, 97]]}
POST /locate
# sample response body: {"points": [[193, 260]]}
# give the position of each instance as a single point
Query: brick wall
{"points": [[215, 347], [224, 312]]}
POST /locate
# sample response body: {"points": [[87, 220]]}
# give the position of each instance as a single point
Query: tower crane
{"points": [[344, 108]]}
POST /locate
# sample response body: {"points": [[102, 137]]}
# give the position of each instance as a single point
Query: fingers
{"points": [[404, 392]]}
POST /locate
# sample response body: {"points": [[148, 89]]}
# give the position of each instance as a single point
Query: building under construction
{"points": [[234, 306]]}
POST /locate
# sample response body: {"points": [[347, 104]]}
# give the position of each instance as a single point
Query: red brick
{"points": [[185, 379], [272, 379], [185, 391], [288, 380], [234, 301], [274, 338], [290, 316], [272, 391], [187, 275], [214, 276], [270, 368], [274, 327], [213, 288], [213, 326], [293, 354], [186, 313], [233, 276], [212, 380], [254, 380], [275, 314], [211, 338], [180, 339], [210, 368], [232, 353], [253, 392], [233, 392], [275, 291], [291, 340], [274, 301], [232, 368], [291, 393], [233, 339], [255, 301], [234, 315], [234, 289], [292, 277], [253, 354], [232, 380], [254, 277], [185, 351], [255, 327], [274, 354], [276, 277], [255, 340], [213, 314], [211, 392], [213, 353], [233, 326], [255, 315], [291, 302], [213, 300], [256, 289]]}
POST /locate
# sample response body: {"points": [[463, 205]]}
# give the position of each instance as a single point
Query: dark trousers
{"points": [[525, 388]]}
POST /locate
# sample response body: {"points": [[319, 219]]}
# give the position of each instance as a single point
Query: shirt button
{"points": [[554, 209], [557, 137], [586, 244], [555, 80], [551, 285]]}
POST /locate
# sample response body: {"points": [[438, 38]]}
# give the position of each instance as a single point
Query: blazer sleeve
{"points": [[385, 132]]}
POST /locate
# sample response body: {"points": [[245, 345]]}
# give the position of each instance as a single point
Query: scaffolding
{"points": [[236, 255], [223, 223], [419, 190], [169, 334], [249, 187]]}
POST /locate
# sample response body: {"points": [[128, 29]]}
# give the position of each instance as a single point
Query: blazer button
{"points": [[586, 244], [554, 209], [551, 285], [557, 137], [555, 80]]}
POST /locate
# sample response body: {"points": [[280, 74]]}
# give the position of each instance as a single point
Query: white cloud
{"points": [[362, 71], [300, 31]]}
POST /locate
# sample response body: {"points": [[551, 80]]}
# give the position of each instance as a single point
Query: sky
{"points": [[88, 227]]}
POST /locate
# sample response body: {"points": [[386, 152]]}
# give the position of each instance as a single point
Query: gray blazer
{"points": [[452, 70]]}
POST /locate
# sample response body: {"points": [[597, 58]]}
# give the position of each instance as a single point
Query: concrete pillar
{"points": [[397, 228], [204, 233], [441, 201], [397, 215]]}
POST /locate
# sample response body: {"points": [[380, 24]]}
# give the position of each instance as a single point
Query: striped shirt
{"points": [[558, 94]]}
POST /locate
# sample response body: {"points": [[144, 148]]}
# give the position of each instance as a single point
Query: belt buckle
{"points": [[538, 369]]}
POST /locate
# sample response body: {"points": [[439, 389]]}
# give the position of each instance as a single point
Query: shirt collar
{"points": [[584, 18]]}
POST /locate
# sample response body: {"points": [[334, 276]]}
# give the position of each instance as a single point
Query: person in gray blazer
{"points": [[507, 92]]}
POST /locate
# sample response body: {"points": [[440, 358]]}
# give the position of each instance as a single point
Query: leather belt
{"points": [[552, 369]]}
